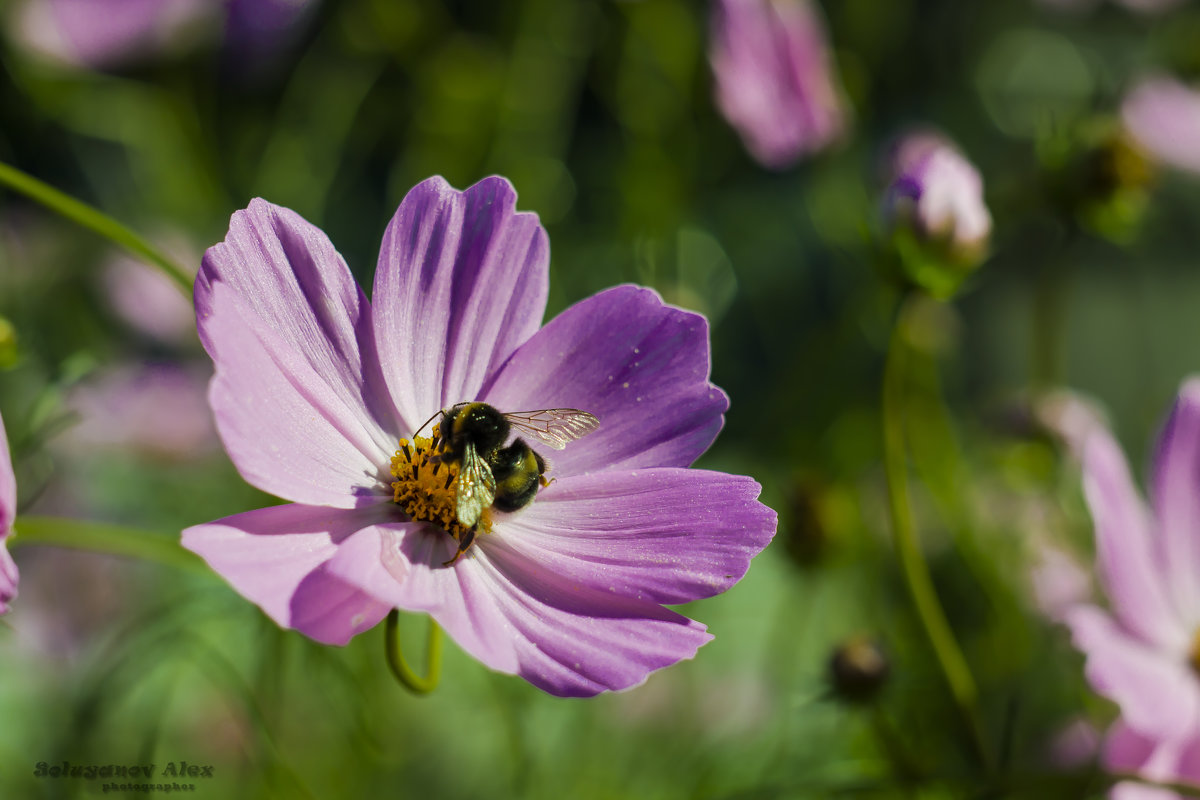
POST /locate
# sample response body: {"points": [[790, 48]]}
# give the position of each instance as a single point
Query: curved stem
{"points": [[400, 668], [84, 215], [100, 537], [912, 562]]}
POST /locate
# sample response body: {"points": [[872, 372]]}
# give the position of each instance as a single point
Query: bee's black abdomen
{"points": [[517, 470]]}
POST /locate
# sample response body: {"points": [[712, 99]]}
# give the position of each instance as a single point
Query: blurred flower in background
{"points": [[314, 387], [775, 80], [157, 409], [8, 513], [115, 33], [120, 33], [1144, 654], [1163, 115], [148, 301]]}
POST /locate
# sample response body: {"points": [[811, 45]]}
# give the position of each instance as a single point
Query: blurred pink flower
{"points": [[1059, 582], [1143, 653], [933, 187], [1076, 744], [8, 513], [1163, 116], [99, 34], [158, 409], [148, 301], [775, 80], [104, 34]]}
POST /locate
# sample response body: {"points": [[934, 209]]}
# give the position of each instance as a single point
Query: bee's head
{"points": [[479, 423]]}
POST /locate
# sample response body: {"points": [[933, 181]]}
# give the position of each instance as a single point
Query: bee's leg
{"points": [[464, 545], [544, 481]]}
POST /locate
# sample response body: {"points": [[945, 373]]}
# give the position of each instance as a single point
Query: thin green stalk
{"points": [[912, 562], [84, 215], [400, 668], [100, 537]]}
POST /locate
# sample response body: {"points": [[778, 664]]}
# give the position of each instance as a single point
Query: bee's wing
{"points": [[554, 426], [476, 487]]}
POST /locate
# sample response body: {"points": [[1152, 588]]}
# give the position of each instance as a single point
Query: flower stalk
{"points": [[400, 668], [85, 216], [99, 537], [912, 562]]}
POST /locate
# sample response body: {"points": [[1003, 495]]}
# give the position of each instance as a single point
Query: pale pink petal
{"points": [[1158, 694], [461, 282], [1126, 555], [287, 431], [664, 535], [1177, 500], [288, 274], [276, 557], [516, 616], [640, 366]]}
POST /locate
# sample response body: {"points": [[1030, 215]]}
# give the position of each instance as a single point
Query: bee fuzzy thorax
{"points": [[425, 486]]}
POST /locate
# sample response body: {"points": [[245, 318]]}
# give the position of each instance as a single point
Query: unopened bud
{"points": [[858, 670]]}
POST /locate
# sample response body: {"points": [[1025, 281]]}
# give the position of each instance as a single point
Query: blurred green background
{"points": [[601, 115]]}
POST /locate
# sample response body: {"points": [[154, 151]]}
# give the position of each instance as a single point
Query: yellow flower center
{"points": [[425, 486], [1194, 656]]}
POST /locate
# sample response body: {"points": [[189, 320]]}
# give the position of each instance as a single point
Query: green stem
{"points": [[400, 668], [101, 537], [912, 563], [84, 215]]}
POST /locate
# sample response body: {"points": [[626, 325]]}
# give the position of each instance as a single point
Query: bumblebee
{"points": [[494, 476]]}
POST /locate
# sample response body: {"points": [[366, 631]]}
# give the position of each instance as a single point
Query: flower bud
{"points": [[858, 670], [936, 191]]}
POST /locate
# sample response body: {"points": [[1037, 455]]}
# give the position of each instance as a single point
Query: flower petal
{"points": [[1177, 500], [287, 272], [1125, 551], [287, 431], [638, 365], [566, 639], [462, 281], [276, 557], [1125, 750], [8, 513], [774, 78], [1158, 694], [8, 485], [8, 579], [666, 535]]}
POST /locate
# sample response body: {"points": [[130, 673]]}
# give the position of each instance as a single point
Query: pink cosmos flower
{"points": [[1144, 652], [314, 387], [775, 82], [8, 512], [1163, 116]]}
